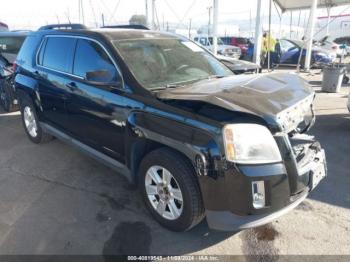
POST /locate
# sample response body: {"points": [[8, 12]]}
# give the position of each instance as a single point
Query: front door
{"points": [[97, 111], [289, 52]]}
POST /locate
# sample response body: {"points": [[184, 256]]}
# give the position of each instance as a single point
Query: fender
{"points": [[27, 86], [200, 146]]}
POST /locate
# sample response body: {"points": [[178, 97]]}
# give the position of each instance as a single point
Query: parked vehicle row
{"points": [[223, 49], [163, 111], [10, 44], [294, 51], [344, 42]]}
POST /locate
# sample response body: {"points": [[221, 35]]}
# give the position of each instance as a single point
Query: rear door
{"points": [[97, 111], [55, 60]]}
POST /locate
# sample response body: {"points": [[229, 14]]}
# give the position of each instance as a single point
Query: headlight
{"points": [[250, 144]]}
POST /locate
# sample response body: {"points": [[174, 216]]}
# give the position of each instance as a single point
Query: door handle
{"points": [[72, 86]]}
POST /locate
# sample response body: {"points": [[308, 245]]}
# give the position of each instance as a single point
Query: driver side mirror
{"points": [[101, 78]]}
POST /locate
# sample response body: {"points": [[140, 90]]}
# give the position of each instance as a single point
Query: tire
{"points": [[7, 97], [183, 180], [28, 112], [345, 80]]}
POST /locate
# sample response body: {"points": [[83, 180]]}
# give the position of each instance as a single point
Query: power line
{"points": [[114, 11], [93, 13]]}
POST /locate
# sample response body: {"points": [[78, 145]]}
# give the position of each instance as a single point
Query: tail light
{"points": [[14, 66]]}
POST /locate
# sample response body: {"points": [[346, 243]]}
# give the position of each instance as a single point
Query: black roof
{"points": [[141, 27], [109, 33], [62, 26]]}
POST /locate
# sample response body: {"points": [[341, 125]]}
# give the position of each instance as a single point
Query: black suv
{"points": [[198, 141], [10, 44]]}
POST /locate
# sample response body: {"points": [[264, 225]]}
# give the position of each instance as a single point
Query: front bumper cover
{"points": [[227, 221], [286, 189]]}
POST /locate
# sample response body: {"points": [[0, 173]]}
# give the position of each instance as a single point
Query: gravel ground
{"points": [[54, 200]]}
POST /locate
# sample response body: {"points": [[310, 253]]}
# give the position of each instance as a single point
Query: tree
{"points": [[138, 20]]}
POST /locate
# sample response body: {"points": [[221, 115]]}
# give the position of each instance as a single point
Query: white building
{"points": [[339, 26]]}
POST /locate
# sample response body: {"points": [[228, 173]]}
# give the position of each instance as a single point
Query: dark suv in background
{"points": [[10, 43], [164, 112]]}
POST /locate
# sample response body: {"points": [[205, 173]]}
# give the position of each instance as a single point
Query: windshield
{"points": [[10, 44], [242, 41], [220, 42], [164, 62]]}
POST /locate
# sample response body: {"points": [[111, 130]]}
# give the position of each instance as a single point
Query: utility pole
{"points": [[103, 19], [269, 39], [209, 19], [310, 35], [153, 26], [290, 24], [215, 25], [257, 44], [82, 10], [250, 22], [298, 24], [79, 9], [146, 13], [329, 7], [189, 29]]}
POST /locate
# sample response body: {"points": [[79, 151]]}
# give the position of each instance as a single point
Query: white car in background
{"points": [[331, 46], [225, 50]]}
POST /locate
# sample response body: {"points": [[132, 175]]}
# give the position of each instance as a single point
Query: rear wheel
{"points": [[170, 190], [31, 124]]}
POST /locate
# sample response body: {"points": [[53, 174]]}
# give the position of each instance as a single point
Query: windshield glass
{"points": [[242, 41], [164, 62], [220, 42], [11, 45]]}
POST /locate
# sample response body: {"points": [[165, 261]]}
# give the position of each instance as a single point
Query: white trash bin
{"points": [[332, 78]]}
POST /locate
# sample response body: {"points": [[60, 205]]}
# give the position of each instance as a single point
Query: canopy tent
{"points": [[290, 5]]}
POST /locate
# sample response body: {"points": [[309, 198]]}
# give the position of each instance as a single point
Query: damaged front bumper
{"points": [[287, 184]]}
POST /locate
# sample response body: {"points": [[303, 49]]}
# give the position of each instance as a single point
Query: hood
{"points": [[235, 64], [230, 47], [278, 98]]}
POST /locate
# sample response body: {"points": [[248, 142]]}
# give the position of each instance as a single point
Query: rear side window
{"points": [[11, 44], [90, 57], [57, 53], [26, 55]]}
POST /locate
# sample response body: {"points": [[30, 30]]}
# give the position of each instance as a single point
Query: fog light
{"points": [[258, 193]]}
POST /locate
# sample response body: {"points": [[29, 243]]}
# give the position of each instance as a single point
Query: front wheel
{"points": [[170, 190]]}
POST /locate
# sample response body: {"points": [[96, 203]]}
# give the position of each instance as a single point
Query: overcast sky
{"points": [[30, 14]]}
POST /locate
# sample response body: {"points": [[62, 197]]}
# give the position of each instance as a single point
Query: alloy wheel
{"points": [[163, 192], [30, 121]]}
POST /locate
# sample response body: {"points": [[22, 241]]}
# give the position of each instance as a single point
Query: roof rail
{"points": [[140, 27], [62, 26]]}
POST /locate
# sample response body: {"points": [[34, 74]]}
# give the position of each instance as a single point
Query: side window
{"points": [[203, 41], [90, 58], [58, 53]]}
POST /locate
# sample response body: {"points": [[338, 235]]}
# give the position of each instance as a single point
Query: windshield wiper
{"points": [[183, 83]]}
